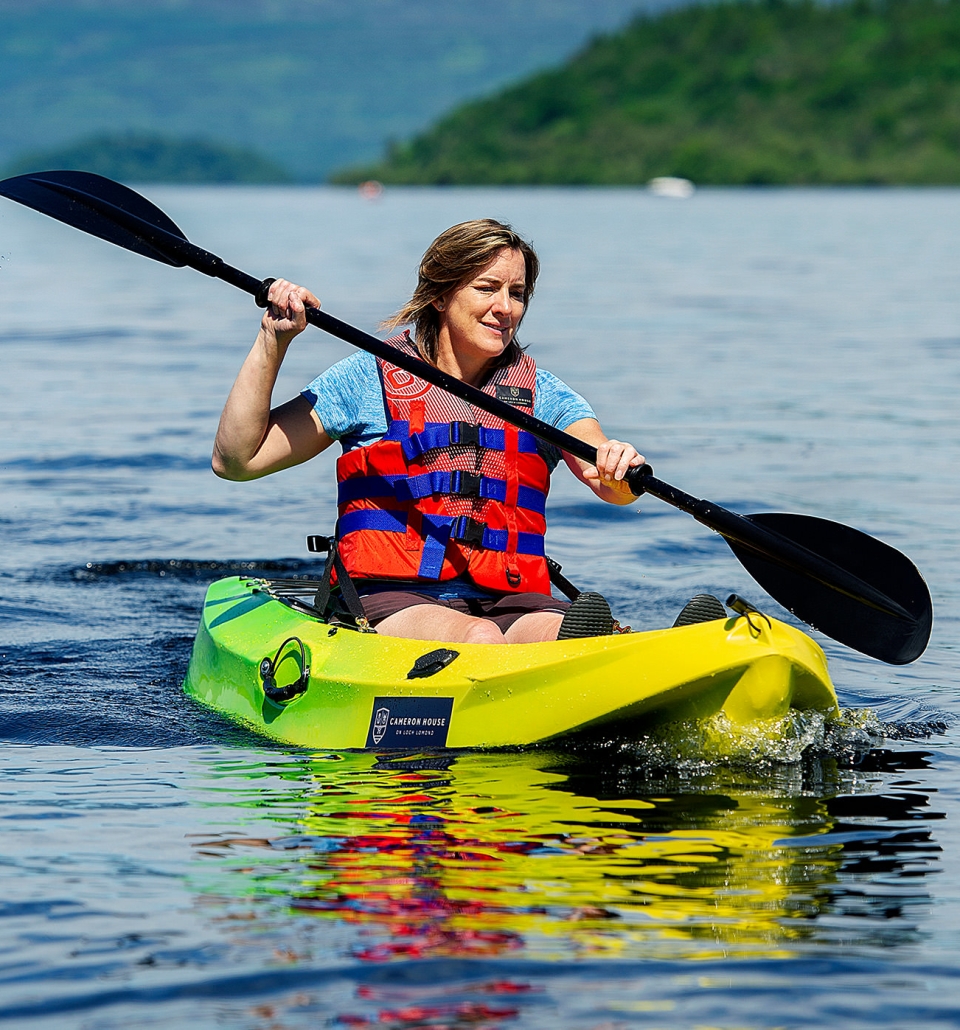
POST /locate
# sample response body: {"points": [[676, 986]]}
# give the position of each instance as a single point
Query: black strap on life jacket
{"points": [[325, 601], [560, 581]]}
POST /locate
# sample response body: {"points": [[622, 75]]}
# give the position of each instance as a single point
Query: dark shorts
{"points": [[502, 611]]}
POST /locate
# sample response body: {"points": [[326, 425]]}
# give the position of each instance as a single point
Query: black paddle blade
{"points": [[852, 621], [60, 194]]}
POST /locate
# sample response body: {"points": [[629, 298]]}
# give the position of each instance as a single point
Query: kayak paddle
{"points": [[845, 583]]}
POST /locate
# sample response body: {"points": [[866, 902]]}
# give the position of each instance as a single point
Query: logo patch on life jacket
{"points": [[405, 385], [409, 722], [518, 396]]}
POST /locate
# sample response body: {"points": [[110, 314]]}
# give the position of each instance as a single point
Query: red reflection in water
{"points": [[435, 1016], [440, 1015], [419, 918]]}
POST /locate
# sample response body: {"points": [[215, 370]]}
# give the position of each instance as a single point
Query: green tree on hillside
{"points": [[744, 92], [147, 157]]}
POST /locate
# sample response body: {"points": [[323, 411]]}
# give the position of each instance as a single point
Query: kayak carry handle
{"points": [[268, 672]]}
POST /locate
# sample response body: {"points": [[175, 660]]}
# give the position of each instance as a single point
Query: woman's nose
{"points": [[503, 302]]}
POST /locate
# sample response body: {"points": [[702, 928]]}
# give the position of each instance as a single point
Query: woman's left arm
{"points": [[614, 458]]}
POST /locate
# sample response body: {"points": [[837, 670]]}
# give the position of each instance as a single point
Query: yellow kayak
{"points": [[262, 659]]}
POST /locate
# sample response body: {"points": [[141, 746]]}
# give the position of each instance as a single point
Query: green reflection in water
{"points": [[481, 855]]}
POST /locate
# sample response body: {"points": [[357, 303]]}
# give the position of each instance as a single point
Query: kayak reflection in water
{"points": [[441, 505]]}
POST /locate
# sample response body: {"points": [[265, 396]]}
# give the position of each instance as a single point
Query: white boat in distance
{"points": [[671, 186]]}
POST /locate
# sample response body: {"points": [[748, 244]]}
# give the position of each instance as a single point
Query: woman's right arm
{"points": [[253, 440]]}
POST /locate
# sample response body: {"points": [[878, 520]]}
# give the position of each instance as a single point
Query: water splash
{"points": [[697, 746]]}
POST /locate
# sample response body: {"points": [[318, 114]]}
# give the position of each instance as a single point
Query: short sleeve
{"points": [[348, 401], [557, 404], [560, 406]]}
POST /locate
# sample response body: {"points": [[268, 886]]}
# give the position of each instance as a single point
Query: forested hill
{"points": [[771, 91], [172, 90]]}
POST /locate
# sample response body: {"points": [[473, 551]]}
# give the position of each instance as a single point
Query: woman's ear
{"points": [[440, 304]]}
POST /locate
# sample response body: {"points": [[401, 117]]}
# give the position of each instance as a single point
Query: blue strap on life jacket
{"points": [[372, 518], [437, 531], [456, 483], [443, 435], [360, 488]]}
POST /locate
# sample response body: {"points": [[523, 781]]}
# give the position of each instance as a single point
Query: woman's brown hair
{"points": [[455, 257]]}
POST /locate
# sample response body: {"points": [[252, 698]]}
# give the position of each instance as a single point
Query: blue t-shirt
{"points": [[349, 403]]}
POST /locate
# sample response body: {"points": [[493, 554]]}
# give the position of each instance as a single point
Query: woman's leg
{"points": [[512, 619], [534, 627], [435, 622]]}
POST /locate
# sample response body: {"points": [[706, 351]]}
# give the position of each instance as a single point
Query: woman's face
{"points": [[481, 317]]}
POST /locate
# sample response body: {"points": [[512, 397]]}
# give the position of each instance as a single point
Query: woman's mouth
{"points": [[496, 328]]}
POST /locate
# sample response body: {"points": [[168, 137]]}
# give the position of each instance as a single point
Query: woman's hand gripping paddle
{"points": [[848, 585]]}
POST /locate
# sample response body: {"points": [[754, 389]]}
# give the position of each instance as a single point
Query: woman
{"points": [[441, 505]]}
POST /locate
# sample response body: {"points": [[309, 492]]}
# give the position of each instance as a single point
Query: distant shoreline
{"points": [[857, 93]]}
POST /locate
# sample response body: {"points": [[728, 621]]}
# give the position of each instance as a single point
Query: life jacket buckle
{"points": [[467, 531], [464, 484], [465, 434]]}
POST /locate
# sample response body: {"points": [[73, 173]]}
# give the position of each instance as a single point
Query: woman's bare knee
{"points": [[435, 622], [534, 627], [483, 632]]}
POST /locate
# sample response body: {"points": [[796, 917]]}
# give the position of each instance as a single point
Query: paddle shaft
{"points": [[188, 253], [736, 528], [728, 524]]}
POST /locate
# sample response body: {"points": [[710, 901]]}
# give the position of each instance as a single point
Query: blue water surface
{"points": [[771, 350]]}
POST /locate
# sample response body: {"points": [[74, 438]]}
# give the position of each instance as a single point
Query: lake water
{"points": [[770, 350]]}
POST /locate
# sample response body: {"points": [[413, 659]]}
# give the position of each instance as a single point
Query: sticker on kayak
{"points": [[409, 722]]}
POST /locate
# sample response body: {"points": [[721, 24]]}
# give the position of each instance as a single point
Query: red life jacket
{"points": [[450, 491]]}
